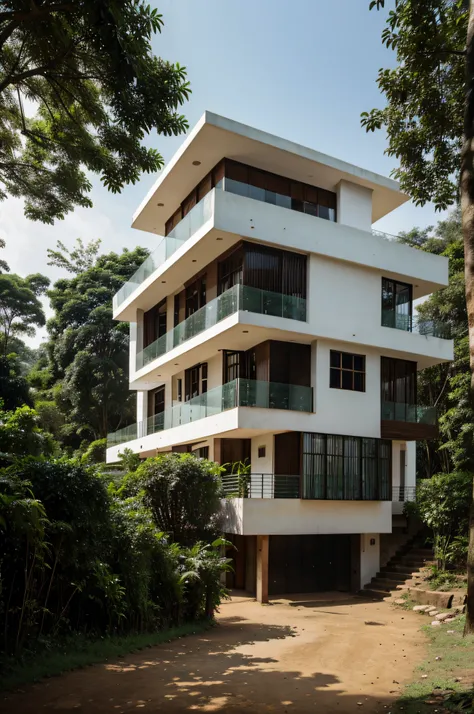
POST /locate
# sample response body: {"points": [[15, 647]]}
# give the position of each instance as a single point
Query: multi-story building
{"points": [[272, 326]]}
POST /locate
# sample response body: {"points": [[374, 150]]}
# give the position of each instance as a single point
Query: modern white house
{"points": [[273, 326]]}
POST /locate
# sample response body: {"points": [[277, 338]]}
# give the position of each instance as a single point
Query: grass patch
{"points": [[79, 651], [438, 685]]}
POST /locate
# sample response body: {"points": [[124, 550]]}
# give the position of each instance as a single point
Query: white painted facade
{"points": [[345, 261]]}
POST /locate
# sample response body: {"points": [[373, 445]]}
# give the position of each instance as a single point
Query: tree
{"points": [[442, 503], [20, 307], [183, 494], [86, 370], [21, 435], [429, 120], [97, 90], [14, 388]]}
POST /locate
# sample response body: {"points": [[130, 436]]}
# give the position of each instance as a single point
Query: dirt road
{"points": [[323, 655]]}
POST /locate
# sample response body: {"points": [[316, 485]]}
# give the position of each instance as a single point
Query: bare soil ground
{"points": [[320, 654]]}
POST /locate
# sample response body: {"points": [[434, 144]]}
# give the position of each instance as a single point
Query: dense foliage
{"points": [[81, 379], [442, 502], [88, 69], [80, 555]]}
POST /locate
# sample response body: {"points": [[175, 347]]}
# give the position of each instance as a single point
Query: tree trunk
{"points": [[467, 210]]}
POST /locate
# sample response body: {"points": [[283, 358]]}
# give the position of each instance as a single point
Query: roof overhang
{"points": [[215, 137]]}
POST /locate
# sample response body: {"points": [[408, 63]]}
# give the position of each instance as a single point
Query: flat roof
{"points": [[215, 137]]}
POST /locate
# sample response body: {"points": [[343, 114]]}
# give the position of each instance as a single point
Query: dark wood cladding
{"points": [[288, 452], [408, 430], [265, 268], [270, 361], [270, 188]]}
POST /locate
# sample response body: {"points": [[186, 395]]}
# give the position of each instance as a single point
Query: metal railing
{"points": [[238, 393], [399, 411], [238, 298], [413, 323], [403, 493], [261, 486], [192, 222]]}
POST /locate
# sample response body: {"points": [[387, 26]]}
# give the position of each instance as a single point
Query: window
{"points": [[179, 389], [233, 363], [195, 381], [346, 468], [397, 304], [347, 371], [154, 322], [262, 451], [202, 453]]}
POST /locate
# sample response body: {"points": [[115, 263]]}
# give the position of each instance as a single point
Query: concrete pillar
{"points": [[262, 568]]}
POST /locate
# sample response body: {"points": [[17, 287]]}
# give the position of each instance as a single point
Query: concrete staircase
{"points": [[400, 571]]}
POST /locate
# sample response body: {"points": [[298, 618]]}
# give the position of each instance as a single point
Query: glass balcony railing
{"points": [[168, 245], [399, 411], [410, 323], [239, 297], [238, 393]]}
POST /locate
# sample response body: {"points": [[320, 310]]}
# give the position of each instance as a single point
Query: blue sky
{"points": [[304, 70]]}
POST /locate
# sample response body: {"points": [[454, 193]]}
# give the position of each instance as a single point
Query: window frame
{"points": [[347, 370]]}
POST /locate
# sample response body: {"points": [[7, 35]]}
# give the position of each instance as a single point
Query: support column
{"points": [[262, 568]]}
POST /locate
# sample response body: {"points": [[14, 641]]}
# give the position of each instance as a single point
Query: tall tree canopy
{"points": [[87, 69], [86, 372], [20, 306], [429, 121]]}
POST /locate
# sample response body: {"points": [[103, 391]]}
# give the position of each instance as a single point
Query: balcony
{"points": [[238, 298], [238, 393], [295, 486], [408, 421], [410, 323], [261, 486], [192, 222]]}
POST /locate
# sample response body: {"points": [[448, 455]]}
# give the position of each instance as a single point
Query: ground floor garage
{"points": [[272, 565]]}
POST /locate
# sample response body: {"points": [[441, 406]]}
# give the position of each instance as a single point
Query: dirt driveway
{"points": [[321, 655]]}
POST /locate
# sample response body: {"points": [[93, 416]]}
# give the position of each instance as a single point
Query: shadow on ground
{"points": [[223, 670]]}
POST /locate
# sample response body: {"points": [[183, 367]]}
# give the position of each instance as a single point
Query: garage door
{"points": [[309, 563]]}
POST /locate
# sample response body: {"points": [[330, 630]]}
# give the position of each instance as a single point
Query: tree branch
{"points": [[17, 16]]}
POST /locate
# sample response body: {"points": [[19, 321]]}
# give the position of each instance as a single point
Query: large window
{"points": [[260, 185], [397, 304], [279, 191], [271, 269], [154, 322], [346, 468], [347, 371], [398, 380]]}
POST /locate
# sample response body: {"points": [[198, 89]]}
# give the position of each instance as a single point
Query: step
{"points": [[373, 592], [400, 569], [426, 552], [415, 562], [396, 577], [384, 584]]}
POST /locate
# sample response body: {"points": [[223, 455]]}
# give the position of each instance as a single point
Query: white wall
{"points": [[340, 411], [262, 465], [369, 557], [354, 205], [292, 516], [291, 229]]}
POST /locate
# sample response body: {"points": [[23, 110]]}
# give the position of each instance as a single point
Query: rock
{"points": [[424, 676], [433, 613], [420, 608], [443, 616], [450, 632], [448, 620], [438, 659], [399, 601], [435, 623]]}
